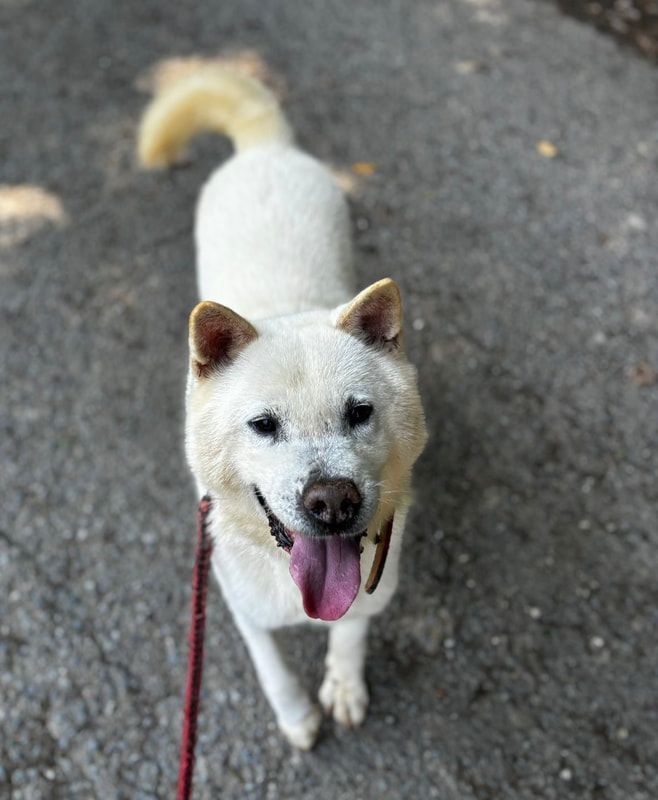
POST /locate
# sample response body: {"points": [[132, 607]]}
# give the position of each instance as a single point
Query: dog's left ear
{"points": [[217, 334], [375, 315]]}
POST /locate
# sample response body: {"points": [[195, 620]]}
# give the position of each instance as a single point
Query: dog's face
{"points": [[313, 421]]}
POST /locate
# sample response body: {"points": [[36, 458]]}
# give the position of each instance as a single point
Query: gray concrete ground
{"points": [[519, 659]]}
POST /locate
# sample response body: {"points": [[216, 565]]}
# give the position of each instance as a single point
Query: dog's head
{"points": [[312, 421]]}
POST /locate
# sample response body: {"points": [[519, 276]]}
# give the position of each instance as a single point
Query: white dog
{"points": [[303, 414]]}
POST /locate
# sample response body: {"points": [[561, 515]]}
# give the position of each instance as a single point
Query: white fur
{"points": [[273, 241], [273, 235]]}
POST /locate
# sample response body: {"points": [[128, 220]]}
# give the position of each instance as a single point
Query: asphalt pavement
{"points": [[503, 167]]}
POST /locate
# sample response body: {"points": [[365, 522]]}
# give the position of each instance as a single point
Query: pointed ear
{"points": [[375, 315], [217, 334]]}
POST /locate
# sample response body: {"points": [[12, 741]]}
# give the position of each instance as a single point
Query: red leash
{"points": [[197, 630], [195, 655]]}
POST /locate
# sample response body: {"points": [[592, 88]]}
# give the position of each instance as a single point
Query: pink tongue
{"points": [[327, 572]]}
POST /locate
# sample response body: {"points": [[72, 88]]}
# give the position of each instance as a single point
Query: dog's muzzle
{"points": [[284, 540]]}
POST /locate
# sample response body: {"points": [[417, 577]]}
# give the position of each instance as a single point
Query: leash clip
{"points": [[379, 561]]}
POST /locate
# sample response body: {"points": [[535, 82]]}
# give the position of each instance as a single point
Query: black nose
{"points": [[334, 502]]}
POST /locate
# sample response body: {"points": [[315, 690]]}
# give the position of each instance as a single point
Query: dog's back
{"points": [[272, 227]]}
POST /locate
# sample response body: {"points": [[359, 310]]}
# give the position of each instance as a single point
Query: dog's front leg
{"points": [[298, 718], [344, 692]]}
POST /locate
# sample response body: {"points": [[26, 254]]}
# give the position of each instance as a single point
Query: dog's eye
{"points": [[266, 426], [358, 414]]}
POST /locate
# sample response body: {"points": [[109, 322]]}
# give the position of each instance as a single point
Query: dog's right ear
{"points": [[217, 335], [375, 315]]}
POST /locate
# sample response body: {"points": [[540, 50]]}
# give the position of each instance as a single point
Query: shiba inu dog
{"points": [[303, 414]]}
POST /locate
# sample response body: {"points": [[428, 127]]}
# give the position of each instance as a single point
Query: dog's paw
{"points": [[346, 699], [303, 733]]}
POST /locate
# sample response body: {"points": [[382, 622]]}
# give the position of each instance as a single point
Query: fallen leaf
{"points": [[546, 148], [24, 210], [643, 374], [468, 67], [344, 179], [363, 168], [169, 71], [24, 201]]}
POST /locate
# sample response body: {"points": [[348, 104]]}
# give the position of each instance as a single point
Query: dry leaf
{"points": [[169, 71], [468, 67], [29, 202], [345, 180], [24, 210], [363, 168], [643, 374], [546, 148]]}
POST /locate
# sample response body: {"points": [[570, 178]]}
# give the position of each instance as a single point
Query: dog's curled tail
{"points": [[211, 99]]}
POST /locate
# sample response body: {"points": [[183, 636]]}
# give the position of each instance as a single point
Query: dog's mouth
{"points": [[326, 569]]}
